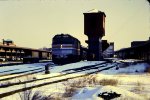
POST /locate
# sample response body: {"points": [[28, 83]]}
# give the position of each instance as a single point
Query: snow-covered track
{"points": [[71, 71], [8, 71], [21, 72], [86, 67], [56, 81], [32, 72], [15, 73]]}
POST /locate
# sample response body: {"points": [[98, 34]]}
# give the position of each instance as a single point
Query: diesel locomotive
{"points": [[65, 49]]}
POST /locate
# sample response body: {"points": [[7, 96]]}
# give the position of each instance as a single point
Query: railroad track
{"points": [[75, 71], [21, 73], [9, 70], [100, 68]]}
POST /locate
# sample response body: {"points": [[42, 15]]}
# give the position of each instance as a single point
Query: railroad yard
{"points": [[70, 50], [76, 81]]}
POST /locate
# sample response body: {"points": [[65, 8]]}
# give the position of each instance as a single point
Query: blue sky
{"points": [[33, 23]]}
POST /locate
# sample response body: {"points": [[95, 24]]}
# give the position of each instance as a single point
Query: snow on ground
{"points": [[55, 69], [132, 81], [19, 68], [58, 70], [95, 93], [128, 60], [129, 85], [74, 65], [131, 69], [133, 84]]}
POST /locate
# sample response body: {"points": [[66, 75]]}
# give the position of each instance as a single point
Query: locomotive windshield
{"points": [[63, 40]]}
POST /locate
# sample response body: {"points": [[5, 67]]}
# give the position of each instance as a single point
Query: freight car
{"points": [[65, 49], [35, 56]]}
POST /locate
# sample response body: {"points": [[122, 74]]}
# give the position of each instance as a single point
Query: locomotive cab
{"points": [[65, 49]]}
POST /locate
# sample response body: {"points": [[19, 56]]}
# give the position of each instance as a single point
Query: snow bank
{"points": [[132, 69], [87, 93], [92, 93]]}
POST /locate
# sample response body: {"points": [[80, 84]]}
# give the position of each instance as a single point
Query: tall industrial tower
{"points": [[94, 28]]}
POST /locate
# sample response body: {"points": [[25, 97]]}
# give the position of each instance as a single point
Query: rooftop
{"points": [[94, 11], [9, 40]]}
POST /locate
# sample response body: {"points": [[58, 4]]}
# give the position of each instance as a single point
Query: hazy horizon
{"points": [[33, 23]]}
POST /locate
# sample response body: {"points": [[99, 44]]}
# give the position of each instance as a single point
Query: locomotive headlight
{"points": [[61, 46]]}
